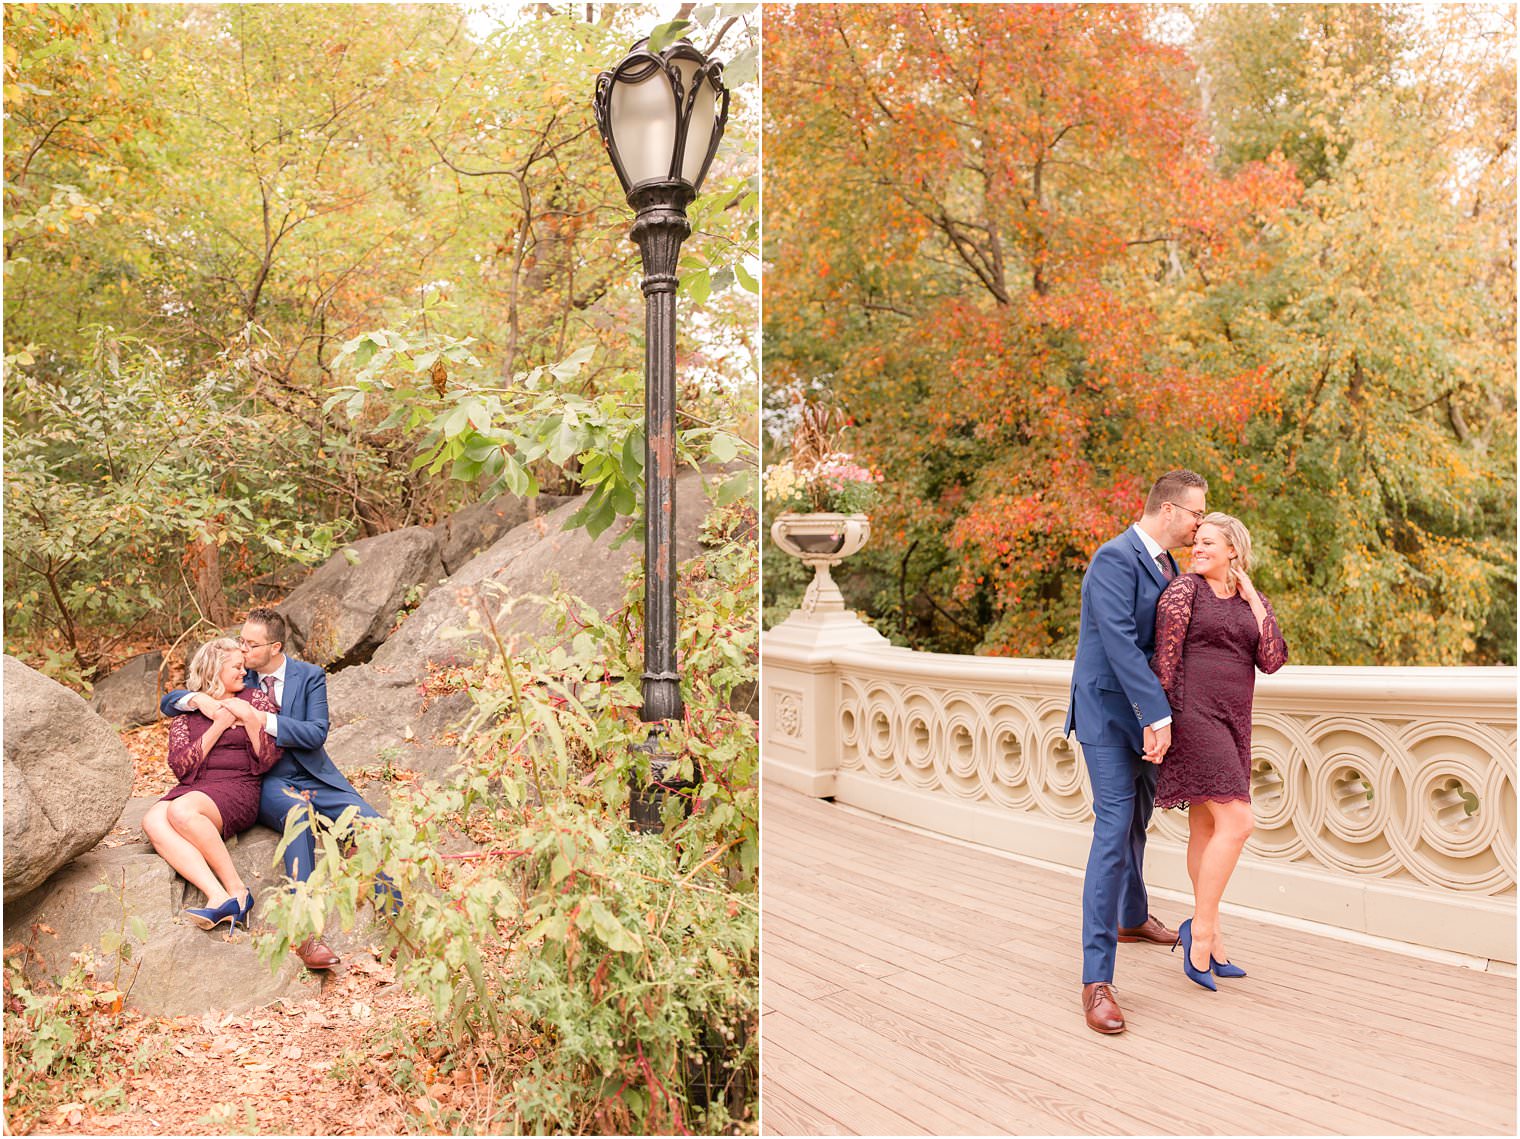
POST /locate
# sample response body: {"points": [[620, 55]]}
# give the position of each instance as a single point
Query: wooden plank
{"points": [[917, 1087], [783, 1112], [1071, 1046], [895, 936], [866, 1116]]}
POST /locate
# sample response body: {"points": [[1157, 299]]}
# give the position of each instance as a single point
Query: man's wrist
{"points": [[1164, 722]]}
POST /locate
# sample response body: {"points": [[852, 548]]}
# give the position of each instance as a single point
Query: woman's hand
{"points": [[223, 717], [252, 719], [1243, 583]]}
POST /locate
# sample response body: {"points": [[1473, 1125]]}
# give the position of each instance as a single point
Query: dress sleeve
{"points": [[1271, 649], [185, 753], [266, 753], [1174, 610]]}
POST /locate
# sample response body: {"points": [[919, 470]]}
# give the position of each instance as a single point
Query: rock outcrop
{"points": [[468, 531], [178, 969], [380, 710], [343, 611], [67, 777], [129, 696]]}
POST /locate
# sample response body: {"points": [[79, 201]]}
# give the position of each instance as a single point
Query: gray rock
{"points": [[67, 776], [344, 610], [178, 969], [530, 559], [472, 529], [379, 719], [129, 696]]}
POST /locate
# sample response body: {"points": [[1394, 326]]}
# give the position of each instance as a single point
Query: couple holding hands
{"points": [[246, 743], [1161, 699]]}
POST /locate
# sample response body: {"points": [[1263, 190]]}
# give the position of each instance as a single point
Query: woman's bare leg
{"points": [[198, 821], [1233, 823], [182, 855], [1200, 831]]}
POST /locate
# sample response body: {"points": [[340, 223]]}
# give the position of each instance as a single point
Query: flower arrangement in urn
{"points": [[821, 496], [820, 478]]}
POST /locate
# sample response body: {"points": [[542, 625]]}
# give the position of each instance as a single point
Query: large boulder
{"points": [[531, 559], [129, 696], [391, 710], [344, 610], [468, 531], [67, 777], [177, 969]]}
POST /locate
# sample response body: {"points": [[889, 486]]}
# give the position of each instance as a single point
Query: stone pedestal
{"points": [[799, 748]]}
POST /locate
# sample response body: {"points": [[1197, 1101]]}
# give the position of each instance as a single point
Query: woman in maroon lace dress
{"points": [[1213, 631], [220, 762]]}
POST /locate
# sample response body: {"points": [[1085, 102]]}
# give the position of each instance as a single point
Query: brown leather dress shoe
{"points": [[315, 955], [1152, 931], [1102, 1008]]}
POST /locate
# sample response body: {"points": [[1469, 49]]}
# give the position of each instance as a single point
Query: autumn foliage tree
{"points": [[238, 191], [1009, 321], [1041, 254]]}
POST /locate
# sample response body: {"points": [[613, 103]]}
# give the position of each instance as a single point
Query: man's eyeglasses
{"points": [[245, 644], [1198, 514]]}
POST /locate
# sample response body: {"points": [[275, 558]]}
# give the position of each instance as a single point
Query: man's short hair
{"points": [[274, 624], [1169, 488]]}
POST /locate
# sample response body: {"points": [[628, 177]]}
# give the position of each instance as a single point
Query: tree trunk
{"points": [[206, 577]]}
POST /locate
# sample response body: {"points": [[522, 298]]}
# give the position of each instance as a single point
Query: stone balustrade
{"points": [[1384, 797]]}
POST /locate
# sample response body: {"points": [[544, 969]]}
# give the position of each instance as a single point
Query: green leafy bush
{"points": [[618, 970], [65, 1047]]}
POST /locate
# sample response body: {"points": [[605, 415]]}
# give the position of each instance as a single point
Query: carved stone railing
{"points": [[1384, 797]]}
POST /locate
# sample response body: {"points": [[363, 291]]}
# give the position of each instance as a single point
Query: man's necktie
{"points": [[269, 688], [1161, 560]]}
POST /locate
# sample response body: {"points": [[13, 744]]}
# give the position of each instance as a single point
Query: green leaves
{"points": [[663, 35]]}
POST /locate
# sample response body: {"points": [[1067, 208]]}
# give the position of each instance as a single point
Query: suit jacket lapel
{"points": [[1139, 547]]}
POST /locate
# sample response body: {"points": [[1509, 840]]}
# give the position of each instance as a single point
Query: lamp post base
{"points": [[646, 801]]}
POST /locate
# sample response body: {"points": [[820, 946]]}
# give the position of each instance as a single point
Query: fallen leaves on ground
{"points": [[269, 1070]]}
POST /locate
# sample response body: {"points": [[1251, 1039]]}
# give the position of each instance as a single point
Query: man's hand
{"points": [[222, 716], [1157, 741]]}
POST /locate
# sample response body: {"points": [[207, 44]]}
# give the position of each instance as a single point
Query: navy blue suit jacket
{"points": [[302, 723], [1114, 693]]}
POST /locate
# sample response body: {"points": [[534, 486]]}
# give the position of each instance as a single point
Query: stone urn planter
{"points": [[819, 541]]}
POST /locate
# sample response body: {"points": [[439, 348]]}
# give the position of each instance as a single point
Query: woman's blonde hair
{"points": [[204, 674], [1236, 534]]}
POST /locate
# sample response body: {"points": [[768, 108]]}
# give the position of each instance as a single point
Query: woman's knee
{"points": [[1235, 821], [184, 811], [155, 824]]}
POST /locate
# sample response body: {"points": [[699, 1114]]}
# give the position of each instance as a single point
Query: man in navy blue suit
{"points": [[305, 772], [1123, 723]]}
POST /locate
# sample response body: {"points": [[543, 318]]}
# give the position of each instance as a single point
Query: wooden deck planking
{"points": [[1431, 996], [1048, 1003], [1387, 1089], [1281, 990], [1432, 989], [899, 968]]}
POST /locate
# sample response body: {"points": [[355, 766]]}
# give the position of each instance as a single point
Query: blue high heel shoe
{"points": [[245, 911], [208, 918], [1225, 969], [1198, 976]]}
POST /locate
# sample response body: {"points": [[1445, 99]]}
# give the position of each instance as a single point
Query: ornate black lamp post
{"points": [[661, 116]]}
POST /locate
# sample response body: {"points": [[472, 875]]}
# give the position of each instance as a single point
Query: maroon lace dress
{"points": [[1208, 649], [231, 772]]}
